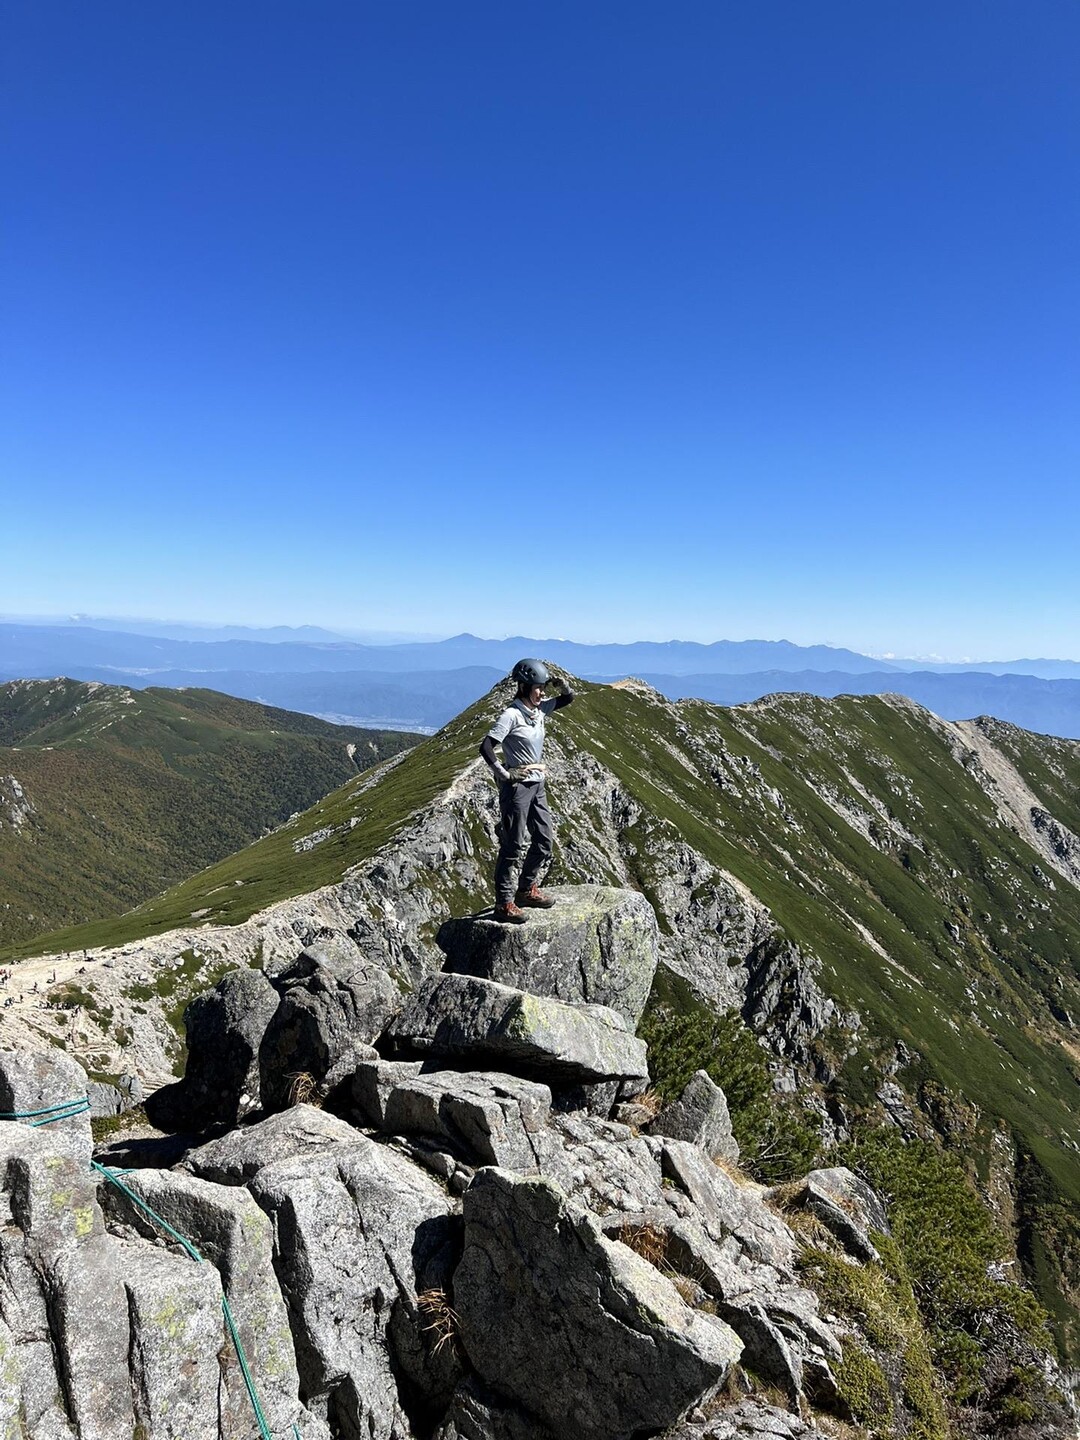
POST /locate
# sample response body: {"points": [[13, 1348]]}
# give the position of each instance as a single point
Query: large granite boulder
{"points": [[51, 1082], [235, 1158], [360, 1231], [62, 1299], [598, 946], [229, 1230], [487, 1119], [333, 1004], [221, 1083], [701, 1116], [497, 1027], [175, 1310], [578, 1330]]}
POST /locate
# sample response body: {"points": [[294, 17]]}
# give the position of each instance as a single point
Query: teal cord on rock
{"points": [[72, 1108], [67, 1111]]}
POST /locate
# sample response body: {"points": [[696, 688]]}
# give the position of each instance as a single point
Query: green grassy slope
{"points": [[132, 790]]}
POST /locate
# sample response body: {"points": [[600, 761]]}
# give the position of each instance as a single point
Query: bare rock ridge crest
{"points": [[461, 1245]]}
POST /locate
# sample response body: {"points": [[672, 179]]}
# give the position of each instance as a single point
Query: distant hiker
{"points": [[522, 797]]}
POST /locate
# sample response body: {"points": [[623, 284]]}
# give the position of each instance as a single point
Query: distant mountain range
{"points": [[420, 685]]}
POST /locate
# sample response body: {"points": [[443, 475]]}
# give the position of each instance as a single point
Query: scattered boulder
{"points": [[700, 1116], [578, 1330], [495, 1025], [236, 1158], [750, 1420], [488, 1119], [221, 1083], [373, 1082], [723, 1209], [847, 1206], [598, 946], [333, 1004], [107, 1099]]}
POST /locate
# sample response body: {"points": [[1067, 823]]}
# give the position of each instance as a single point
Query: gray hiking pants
{"points": [[526, 819]]}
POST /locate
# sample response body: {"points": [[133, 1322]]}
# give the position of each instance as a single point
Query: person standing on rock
{"points": [[526, 819]]}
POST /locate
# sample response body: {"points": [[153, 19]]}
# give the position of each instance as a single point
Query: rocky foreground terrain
{"points": [[485, 1227], [487, 1232]]}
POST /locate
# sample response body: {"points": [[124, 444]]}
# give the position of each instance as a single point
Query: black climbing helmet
{"points": [[530, 672]]}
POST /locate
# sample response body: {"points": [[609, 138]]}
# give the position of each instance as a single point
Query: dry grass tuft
{"points": [[303, 1090], [440, 1318], [787, 1197], [733, 1172], [652, 1102], [648, 1241]]}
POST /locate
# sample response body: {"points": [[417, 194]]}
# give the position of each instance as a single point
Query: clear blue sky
{"points": [[613, 320]]}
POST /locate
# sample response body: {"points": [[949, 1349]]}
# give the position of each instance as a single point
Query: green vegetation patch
{"points": [[776, 1141]]}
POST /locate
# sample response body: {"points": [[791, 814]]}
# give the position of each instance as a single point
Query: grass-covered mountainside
{"points": [[109, 795], [931, 868]]}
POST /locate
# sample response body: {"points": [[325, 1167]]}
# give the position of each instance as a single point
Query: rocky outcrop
{"points": [[221, 1083], [359, 1229], [333, 1003], [459, 1017], [542, 1295], [701, 1116], [598, 946], [50, 1088], [489, 1119], [845, 1204]]}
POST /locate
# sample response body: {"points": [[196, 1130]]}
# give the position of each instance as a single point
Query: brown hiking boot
{"points": [[535, 898], [509, 914]]}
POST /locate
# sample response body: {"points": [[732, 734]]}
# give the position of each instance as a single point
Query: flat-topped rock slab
{"points": [[597, 946], [497, 1027]]}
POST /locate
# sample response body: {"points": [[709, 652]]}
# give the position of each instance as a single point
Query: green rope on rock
{"points": [[265, 1432], [79, 1107], [52, 1113], [141, 1203]]}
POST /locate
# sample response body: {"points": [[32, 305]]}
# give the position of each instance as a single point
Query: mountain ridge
{"points": [[888, 898]]}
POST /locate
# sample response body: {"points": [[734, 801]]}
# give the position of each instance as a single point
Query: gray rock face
{"points": [[372, 1084], [175, 1308], [507, 1029], [598, 946], [233, 1234], [30, 1080], [357, 1228], [700, 1115], [543, 1296], [750, 1420], [488, 1119], [475, 1413], [724, 1210], [784, 1002], [221, 1083], [333, 1005], [848, 1206], [61, 1297], [238, 1156]]}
